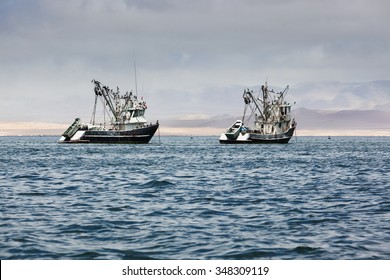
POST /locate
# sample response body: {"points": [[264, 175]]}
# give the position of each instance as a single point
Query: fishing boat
{"points": [[126, 125], [271, 117]]}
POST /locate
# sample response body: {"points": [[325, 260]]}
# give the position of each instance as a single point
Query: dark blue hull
{"points": [[136, 136]]}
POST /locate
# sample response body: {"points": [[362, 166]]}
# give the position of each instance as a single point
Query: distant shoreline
{"points": [[192, 131]]}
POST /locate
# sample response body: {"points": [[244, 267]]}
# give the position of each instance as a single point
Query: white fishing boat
{"points": [[127, 120], [271, 117]]}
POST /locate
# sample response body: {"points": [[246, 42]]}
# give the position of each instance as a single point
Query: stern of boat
{"points": [[241, 138]]}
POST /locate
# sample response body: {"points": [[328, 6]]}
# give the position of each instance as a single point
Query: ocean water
{"points": [[193, 198]]}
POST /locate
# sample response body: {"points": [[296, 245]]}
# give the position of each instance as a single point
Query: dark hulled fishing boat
{"points": [[272, 119], [127, 120]]}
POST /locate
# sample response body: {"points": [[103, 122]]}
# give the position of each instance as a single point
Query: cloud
{"points": [[331, 95], [187, 52]]}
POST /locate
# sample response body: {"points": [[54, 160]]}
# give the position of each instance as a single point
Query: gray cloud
{"points": [[185, 50]]}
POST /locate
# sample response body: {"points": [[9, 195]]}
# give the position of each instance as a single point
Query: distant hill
{"points": [[307, 119], [344, 119]]}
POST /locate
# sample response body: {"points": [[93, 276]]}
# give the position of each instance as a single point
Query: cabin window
{"points": [[138, 113]]}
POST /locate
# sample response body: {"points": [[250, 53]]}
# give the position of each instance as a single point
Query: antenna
{"points": [[135, 77]]}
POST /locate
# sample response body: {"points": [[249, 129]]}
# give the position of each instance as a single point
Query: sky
{"points": [[193, 58]]}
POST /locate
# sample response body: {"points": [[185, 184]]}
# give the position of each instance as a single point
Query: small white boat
{"points": [[233, 131]]}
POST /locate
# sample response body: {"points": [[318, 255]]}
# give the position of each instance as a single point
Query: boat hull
{"points": [[257, 138], [136, 136]]}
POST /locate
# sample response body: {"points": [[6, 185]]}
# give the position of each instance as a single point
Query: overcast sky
{"points": [[193, 57]]}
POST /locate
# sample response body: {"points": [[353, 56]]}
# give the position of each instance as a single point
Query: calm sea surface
{"points": [[193, 198]]}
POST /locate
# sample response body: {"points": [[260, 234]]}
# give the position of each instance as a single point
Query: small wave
{"points": [[157, 213], [383, 208], [279, 253], [19, 253], [213, 213], [32, 194], [135, 255], [80, 205], [304, 250], [115, 209], [158, 183], [83, 228], [71, 188], [90, 255], [250, 254], [26, 176]]}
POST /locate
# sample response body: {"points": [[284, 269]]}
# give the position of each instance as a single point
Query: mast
{"points": [[264, 89], [268, 102], [135, 77], [94, 110]]}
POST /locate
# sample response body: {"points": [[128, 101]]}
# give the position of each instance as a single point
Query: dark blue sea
{"points": [[193, 198]]}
